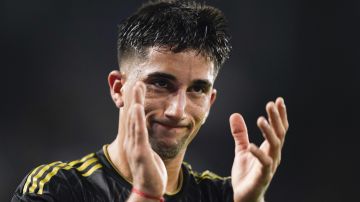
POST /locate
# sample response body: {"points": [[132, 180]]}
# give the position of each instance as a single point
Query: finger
{"points": [[239, 132], [128, 140], [264, 160], [275, 120], [269, 135], [138, 113], [131, 126], [131, 113], [128, 96], [139, 95], [141, 134], [272, 145], [280, 103]]}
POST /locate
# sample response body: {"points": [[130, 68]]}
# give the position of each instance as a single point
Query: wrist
{"points": [[145, 196], [260, 200], [248, 199], [147, 186]]}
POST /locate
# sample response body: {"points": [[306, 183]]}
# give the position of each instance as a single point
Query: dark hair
{"points": [[177, 26]]}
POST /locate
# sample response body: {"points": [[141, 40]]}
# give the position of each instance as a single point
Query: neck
{"points": [[173, 166]]}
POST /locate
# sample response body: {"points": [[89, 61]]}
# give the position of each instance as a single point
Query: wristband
{"points": [[148, 196]]}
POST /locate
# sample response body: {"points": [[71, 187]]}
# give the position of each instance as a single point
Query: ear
{"points": [[213, 96], [212, 100], [116, 81]]}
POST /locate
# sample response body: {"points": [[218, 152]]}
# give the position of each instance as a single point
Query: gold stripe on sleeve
{"points": [[93, 169], [30, 177], [66, 166], [86, 164], [49, 176], [33, 180], [41, 172], [72, 163]]}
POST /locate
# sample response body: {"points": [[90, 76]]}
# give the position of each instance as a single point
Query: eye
{"points": [[160, 83], [198, 89]]}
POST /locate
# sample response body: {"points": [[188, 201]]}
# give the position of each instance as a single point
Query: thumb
{"points": [[239, 132]]}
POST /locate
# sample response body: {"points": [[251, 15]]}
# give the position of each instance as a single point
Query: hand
{"points": [[147, 169], [253, 166]]}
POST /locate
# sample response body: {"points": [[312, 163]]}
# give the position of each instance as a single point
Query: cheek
{"points": [[196, 109], [153, 104], [199, 111], [201, 114]]}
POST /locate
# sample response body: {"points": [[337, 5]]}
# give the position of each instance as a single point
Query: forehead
{"points": [[185, 66]]}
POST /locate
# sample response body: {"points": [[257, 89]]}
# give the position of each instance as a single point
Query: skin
{"points": [[160, 115]]}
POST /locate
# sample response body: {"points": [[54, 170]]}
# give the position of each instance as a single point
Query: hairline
{"points": [[127, 62]]}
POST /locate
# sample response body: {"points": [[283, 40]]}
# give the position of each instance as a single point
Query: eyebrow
{"points": [[202, 82], [170, 77], [162, 75]]}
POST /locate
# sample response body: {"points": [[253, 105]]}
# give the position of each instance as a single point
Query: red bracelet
{"points": [[148, 196]]}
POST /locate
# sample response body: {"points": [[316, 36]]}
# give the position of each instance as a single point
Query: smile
{"points": [[169, 126]]}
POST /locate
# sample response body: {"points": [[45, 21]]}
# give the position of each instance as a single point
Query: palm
{"points": [[247, 176], [254, 167], [244, 167], [147, 168], [162, 172]]}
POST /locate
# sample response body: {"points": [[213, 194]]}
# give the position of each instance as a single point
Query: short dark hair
{"points": [[177, 26]]}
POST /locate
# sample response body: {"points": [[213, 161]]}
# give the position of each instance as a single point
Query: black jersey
{"points": [[94, 178]]}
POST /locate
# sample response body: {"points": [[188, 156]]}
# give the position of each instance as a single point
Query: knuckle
{"points": [[268, 163], [138, 157], [282, 132], [136, 106], [276, 142]]}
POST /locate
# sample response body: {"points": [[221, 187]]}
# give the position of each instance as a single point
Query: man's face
{"points": [[179, 94]]}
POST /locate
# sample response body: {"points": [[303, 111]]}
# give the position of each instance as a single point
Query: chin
{"points": [[166, 149]]}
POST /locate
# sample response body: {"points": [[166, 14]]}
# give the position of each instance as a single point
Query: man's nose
{"points": [[176, 106]]}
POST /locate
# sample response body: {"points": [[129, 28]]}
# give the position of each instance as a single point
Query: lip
{"points": [[170, 126]]}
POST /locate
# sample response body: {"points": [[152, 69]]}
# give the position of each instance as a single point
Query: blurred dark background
{"points": [[55, 105]]}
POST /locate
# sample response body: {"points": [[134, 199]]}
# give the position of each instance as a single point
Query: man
{"points": [[169, 55]]}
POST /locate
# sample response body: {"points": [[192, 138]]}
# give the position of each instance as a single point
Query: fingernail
{"points": [[282, 102], [265, 123]]}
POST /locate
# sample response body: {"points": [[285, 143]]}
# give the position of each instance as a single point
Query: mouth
{"points": [[170, 126]]}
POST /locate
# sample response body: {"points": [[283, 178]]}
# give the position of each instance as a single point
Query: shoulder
{"points": [[57, 180]]}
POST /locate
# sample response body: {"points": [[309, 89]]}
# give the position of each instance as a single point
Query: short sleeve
{"points": [[45, 183]]}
